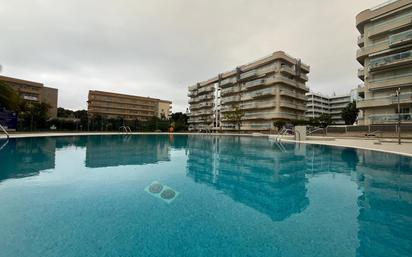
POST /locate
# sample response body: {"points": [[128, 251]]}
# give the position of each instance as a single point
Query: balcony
{"points": [[230, 90], [249, 74], [401, 38], [361, 73], [290, 82], [258, 115], [256, 126], [255, 83], [291, 105], [257, 105], [204, 90], [230, 99], [363, 52], [289, 93], [259, 93], [390, 25], [192, 88], [390, 61], [202, 105], [361, 40], [391, 82], [228, 81], [384, 101], [192, 93]]}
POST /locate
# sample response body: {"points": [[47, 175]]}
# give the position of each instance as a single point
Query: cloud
{"points": [[157, 48]]}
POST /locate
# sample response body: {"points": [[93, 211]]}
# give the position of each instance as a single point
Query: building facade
{"points": [[34, 92], [129, 107], [386, 56], [269, 89], [318, 104]]}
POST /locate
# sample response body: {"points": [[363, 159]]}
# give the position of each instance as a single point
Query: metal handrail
{"points": [[4, 145], [126, 129], [282, 132], [375, 133], [316, 129], [5, 131]]}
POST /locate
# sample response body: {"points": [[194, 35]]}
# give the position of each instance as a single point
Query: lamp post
{"points": [[398, 93]]}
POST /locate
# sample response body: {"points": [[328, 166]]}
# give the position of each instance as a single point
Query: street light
{"points": [[398, 93]]}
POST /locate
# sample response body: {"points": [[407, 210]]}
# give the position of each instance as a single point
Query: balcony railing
{"points": [[361, 73], [249, 74], [385, 100], [254, 83], [390, 59], [207, 89], [230, 99], [228, 81], [257, 105], [230, 90], [361, 40], [259, 93], [401, 38]]}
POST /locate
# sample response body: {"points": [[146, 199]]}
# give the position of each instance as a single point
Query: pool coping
{"points": [[327, 143], [315, 142]]}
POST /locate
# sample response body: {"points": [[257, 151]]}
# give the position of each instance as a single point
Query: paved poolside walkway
{"points": [[387, 145]]}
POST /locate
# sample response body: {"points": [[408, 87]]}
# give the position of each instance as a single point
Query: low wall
{"points": [[389, 131]]}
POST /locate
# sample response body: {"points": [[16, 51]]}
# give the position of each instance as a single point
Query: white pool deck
{"points": [[387, 145]]}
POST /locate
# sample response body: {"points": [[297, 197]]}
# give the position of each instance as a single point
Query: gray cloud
{"points": [[157, 48]]}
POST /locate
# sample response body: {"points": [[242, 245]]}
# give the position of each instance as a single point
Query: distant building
{"points": [[129, 107], [34, 92], [386, 56], [269, 89], [318, 104]]}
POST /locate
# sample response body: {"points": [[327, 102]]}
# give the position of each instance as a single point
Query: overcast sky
{"points": [[158, 48]]}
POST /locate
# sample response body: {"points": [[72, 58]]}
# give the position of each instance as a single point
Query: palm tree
{"points": [[9, 98]]}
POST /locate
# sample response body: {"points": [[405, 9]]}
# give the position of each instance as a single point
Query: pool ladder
{"points": [[126, 129], [5, 131], [8, 136]]}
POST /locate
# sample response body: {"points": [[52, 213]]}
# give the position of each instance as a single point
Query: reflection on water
{"points": [[253, 173], [271, 179], [23, 158], [105, 151]]}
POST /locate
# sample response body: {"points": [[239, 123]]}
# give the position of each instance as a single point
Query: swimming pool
{"points": [[161, 195]]}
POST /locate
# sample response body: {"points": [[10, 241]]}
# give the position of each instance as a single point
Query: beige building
{"points": [[34, 92], [265, 90], [114, 105], [386, 56]]}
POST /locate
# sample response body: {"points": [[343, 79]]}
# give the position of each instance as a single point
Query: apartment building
{"points": [[114, 105], [269, 89], [386, 56], [318, 104], [34, 92]]}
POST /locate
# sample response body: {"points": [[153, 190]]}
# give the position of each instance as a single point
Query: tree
{"points": [[279, 124], [350, 113], [235, 116], [178, 121], [9, 98], [325, 120], [33, 114]]}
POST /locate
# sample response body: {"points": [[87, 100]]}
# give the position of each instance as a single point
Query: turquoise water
{"points": [[226, 196]]}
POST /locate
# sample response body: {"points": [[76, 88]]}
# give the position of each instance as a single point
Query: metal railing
{"points": [[126, 129], [5, 131]]}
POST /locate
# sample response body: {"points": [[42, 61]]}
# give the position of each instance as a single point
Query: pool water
{"points": [[201, 196]]}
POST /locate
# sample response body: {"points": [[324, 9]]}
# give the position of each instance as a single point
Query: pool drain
{"points": [[168, 194], [155, 188], [162, 191]]}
